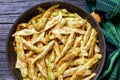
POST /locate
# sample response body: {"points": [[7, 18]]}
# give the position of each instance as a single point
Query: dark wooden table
{"points": [[10, 10]]}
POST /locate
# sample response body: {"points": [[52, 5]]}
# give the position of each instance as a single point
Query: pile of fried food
{"points": [[56, 45]]}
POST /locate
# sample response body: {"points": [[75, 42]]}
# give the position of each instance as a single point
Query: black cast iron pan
{"points": [[25, 17]]}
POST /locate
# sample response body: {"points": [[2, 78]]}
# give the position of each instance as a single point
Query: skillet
{"points": [[26, 16]]}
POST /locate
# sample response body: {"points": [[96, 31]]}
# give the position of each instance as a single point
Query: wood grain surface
{"points": [[10, 10]]}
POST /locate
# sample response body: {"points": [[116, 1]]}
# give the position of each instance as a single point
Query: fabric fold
{"points": [[111, 31]]}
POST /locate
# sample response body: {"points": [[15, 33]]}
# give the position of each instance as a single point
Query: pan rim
{"points": [[47, 2]]}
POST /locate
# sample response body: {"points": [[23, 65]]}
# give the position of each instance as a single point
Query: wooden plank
{"points": [[5, 72], [2, 49], [5, 19], [5, 75], [2, 57], [4, 30], [20, 7], [3, 37], [4, 66], [5, 27], [2, 46], [16, 1]]}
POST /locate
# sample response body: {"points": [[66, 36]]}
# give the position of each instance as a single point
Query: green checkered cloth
{"points": [[111, 30]]}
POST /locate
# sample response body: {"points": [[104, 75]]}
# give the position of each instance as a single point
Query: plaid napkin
{"points": [[111, 30]]}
